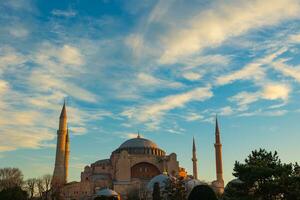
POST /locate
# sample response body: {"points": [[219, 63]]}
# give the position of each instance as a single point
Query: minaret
{"points": [[67, 156], [194, 159], [59, 170], [219, 165]]}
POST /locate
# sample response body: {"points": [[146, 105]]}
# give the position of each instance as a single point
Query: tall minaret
{"points": [[219, 165], [194, 159], [67, 156], [59, 170]]}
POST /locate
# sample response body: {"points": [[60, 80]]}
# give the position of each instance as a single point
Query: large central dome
{"points": [[138, 143]]}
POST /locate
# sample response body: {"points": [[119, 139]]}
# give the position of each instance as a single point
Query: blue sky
{"points": [[164, 68]]}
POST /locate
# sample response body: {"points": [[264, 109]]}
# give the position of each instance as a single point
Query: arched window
{"points": [[144, 170]]}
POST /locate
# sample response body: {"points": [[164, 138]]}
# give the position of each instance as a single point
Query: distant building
{"points": [[132, 165]]}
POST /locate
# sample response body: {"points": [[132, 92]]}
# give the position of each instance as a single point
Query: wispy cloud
{"points": [[212, 27], [153, 112], [271, 91], [253, 71], [64, 13], [193, 116]]}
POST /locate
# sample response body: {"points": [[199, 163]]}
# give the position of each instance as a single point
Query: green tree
{"points": [[264, 177]]}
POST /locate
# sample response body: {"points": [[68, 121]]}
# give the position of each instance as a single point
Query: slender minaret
{"points": [[194, 159], [67, 156], [218, 151], [59, 169]]}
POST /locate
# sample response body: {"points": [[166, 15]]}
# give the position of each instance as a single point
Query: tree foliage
{"points": [[263, 176], [13, 193], [175, 189], [204, 192]]}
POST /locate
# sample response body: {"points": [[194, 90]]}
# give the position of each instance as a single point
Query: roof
{"points": [[138, 143], [161, 179], [106, 192], [103, 161]]}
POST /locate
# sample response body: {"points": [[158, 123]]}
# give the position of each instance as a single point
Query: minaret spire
{"points": [[218, 154], [59, 173], [194, 159]]}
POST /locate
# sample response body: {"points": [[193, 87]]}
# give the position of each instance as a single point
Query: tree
{"points": [[175, 189], [13, 193], [156, 192], [30, 186], [10, 178], [264, 177], [44, 186], [204, 192]]}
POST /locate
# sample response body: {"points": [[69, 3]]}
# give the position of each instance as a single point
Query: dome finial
{"points": [[138, 136]]}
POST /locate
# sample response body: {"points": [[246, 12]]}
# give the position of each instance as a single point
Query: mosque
{"points": [[136, 164]]}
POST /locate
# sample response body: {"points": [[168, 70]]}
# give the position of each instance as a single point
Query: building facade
{"points": [[132, 165]]}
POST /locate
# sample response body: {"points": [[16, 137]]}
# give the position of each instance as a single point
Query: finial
{"points": [[63, 113], [194, 146], [138, 136], [217, 125]]}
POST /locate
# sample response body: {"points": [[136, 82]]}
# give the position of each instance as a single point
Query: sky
{"points": [[163, 68]]}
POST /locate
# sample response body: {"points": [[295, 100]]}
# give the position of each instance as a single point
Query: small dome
{"points": [[161, 179], [234, 182], [106, 193], [138, 143], [191, 183]]}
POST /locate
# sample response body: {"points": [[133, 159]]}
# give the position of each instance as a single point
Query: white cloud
{"points": [[153, 112], [252, 71], [77, 130], [10, 58], [295, 38], [276, 91], [270, 113], [70, 55], [193, 117], [270, 91], [226, 111], [64, 13], [29, 117], [212, 27], [192, 76], [131, 135], [149, 80], [136, 43], [287, 70], [3, 86]]}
